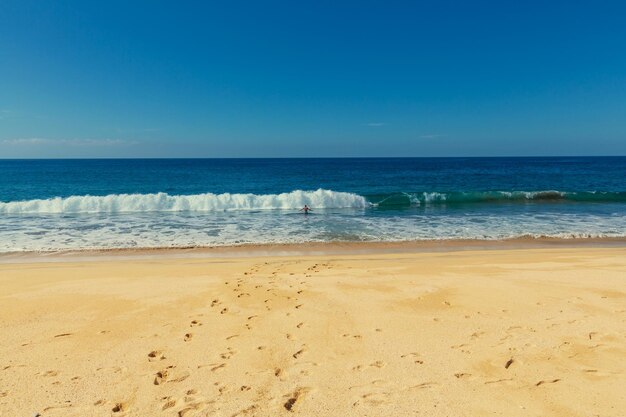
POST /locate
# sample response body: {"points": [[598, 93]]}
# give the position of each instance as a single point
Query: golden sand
{"points": [[526, 332]]}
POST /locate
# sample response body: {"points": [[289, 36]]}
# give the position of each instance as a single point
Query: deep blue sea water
{"points": [[79, 204]]}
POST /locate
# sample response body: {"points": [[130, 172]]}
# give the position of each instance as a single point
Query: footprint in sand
{"points": [[161, 376], [376, 397], [190, 409], [119, 407], [169, 403], [476, 335], [221, 389], [189, 398], [378, 364], [292, 398], [217, 367], [462, 348], [552, 381], [188, 337], [227, 355], [300, 352], [195, 323], [50, 373], [155, 355]]}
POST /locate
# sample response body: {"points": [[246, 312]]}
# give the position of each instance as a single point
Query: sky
{"points": [[311, 79]]}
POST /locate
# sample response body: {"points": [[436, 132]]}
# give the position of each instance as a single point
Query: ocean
{"points": [[56, 205]]}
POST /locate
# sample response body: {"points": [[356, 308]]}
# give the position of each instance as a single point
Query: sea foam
{"points": [[162, 202]]}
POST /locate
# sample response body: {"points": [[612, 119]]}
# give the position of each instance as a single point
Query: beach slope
{"points": [[528, 332]]}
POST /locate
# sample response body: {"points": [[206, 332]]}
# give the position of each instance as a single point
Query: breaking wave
{"points": [[433, 198], [162, 202], [320, 199]]}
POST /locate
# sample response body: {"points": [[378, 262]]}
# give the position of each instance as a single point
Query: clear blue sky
{"points": [[311, 78]]}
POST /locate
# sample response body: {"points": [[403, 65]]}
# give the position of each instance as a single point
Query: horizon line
{"points": [[306, 157]]}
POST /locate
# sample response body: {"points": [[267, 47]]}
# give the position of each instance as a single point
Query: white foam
{"points": [[162, 202], [218, 228]]}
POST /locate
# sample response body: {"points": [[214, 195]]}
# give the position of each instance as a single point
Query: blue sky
{"points": [[279, 79]]}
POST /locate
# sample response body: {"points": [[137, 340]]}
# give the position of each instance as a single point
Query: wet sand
{"points": [[473, 332]]}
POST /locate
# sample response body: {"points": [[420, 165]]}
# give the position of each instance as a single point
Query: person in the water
{"points": [[306, 209]]}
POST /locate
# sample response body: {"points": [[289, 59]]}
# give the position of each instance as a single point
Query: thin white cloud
{"points": [[139, 130], [67, 142], [24, 141], [5, 114], [375, 124]]}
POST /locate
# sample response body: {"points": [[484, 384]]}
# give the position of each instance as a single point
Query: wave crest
{"points": [[118, 203], [428, 198]]}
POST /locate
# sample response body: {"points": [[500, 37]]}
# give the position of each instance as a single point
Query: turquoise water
{"points": [[79, 204]]}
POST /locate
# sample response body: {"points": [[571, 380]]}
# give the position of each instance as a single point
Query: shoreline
{"points": [[311, 249]]}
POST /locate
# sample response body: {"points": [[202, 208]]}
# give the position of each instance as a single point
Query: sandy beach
{"points": [[511, 332]]}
